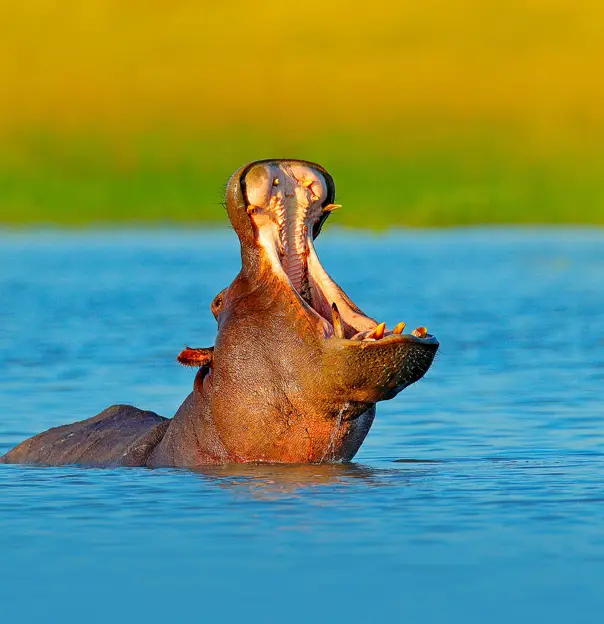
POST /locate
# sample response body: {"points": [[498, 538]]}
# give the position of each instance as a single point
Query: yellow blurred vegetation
{"points": [[515, 84]]}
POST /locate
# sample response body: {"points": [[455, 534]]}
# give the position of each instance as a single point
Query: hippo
{"points": [[296, 370]]}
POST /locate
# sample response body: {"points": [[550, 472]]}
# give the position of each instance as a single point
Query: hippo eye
{"points": [[217, 302]]}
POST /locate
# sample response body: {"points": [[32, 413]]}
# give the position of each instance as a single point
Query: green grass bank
{"points": [[383, 179]]}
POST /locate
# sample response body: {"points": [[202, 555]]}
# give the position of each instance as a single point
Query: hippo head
{"points": [[297, 368]]}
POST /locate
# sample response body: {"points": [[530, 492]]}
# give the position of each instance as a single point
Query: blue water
{"points": [[477, 496]]}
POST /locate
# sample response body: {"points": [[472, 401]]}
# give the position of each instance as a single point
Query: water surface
{"points": [[477, 496]]}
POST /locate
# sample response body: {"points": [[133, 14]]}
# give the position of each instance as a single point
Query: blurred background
{"points": [[430, 113]]}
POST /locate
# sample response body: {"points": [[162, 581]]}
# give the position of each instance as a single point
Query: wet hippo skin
{"points": [[296, 370]]}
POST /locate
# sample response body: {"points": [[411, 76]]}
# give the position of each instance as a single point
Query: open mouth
{"points": [[288, 202]]}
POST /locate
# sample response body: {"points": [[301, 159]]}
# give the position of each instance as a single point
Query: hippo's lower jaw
{"points": [[297, 367]]}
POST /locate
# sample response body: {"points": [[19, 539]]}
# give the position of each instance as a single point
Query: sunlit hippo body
{"points": [[296, 370]]}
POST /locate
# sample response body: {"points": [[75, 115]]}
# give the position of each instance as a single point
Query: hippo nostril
{"points": [[256, 185]]}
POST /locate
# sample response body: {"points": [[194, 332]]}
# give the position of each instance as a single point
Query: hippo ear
{"points": [[196, 357]]}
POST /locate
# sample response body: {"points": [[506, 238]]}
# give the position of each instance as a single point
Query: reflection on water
{"points": [[280, 479], [274, 480], [477, 495]]}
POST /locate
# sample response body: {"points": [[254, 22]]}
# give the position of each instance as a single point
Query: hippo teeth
{"points": [[336, 320], [399, 328], [420, 332], [380, 331]]}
